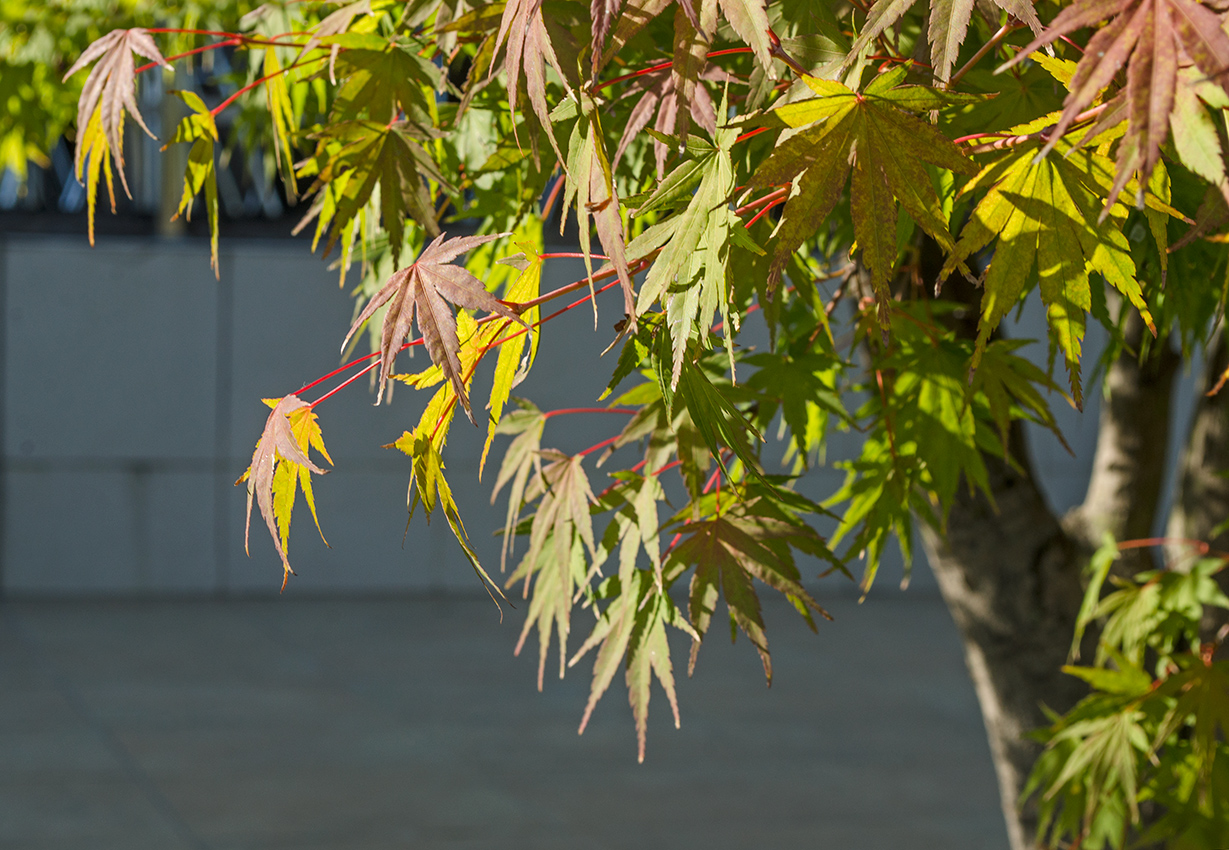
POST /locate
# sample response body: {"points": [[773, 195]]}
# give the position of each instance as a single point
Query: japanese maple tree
{"points": [[882, 184]]}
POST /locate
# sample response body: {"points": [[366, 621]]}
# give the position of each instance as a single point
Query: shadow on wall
{"points": [[132, 387]]}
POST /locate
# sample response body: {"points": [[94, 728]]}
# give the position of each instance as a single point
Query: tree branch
{"points": [[1202, 500], [1128, 473]]}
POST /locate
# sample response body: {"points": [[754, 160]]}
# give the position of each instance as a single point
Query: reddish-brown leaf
{"points": [[1149, 36], [603, 14], [276, 441], [658, 94], [427, 287], [528, 44], [112, 85]]}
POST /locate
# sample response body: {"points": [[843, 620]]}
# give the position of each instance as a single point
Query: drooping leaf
{"points": [[360, 156], [1046, 214], [426, 288], [514, 360], [1150, 36], [199, 129], [110, 90], [429, 487], [591, 185], [279, 444], [524, 31], [632, 630], [602, 14], [659, 95], [730, 550], [948, 25], [521, 459], [277, 96]]}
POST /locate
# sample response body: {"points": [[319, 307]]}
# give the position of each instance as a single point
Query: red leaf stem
{"points": [[598, 446], [231, 42], [751, 133], [574, 255], [661, 66], [769, 198], [567, 410], [217, 110], [764, 211], [348, 381]]}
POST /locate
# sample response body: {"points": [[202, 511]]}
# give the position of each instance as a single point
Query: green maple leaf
{"points": [[200, 129], [383, 78], [871, 134], [1045, 213], [1202, 692], [690, 275], [357, 157], [632, 630], [521, 459], [559, 534], [429, 487], [731, 549]]}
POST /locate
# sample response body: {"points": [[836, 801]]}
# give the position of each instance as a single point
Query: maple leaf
{"points": [[282, 120], [281, 444], [357, 157], [602, 13], [424, 288], [731, 549], [632, 630], [948, 24], [521, 459], [110, 89], [1048, 212], [691, 271], [871, 134], [1152, 35], [523, 30], [591, 184], [659, 94], [514, 362], [335, 23], [200, 129], [383, 79], [559, 535], [429, 486], [1201, 691]]}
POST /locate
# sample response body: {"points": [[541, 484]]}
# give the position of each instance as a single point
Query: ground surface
{"points": [[406, 723]]}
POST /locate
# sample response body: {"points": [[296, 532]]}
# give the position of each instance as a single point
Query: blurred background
{"points": [[159, 692]]}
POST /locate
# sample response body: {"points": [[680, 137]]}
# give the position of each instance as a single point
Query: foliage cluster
{"points": [[806, 160]]}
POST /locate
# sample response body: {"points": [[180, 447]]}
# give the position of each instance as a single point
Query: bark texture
{"points": [[1202, 501], [1012, 577], [1128, 474]]}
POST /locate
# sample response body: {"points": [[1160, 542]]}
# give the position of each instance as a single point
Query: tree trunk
{"points": [[1013, 577], [1202, 501]]}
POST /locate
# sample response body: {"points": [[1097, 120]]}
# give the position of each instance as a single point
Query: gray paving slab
{"points": [[406, 722]]}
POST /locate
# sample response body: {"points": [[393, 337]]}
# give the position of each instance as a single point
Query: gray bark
{"points": [[1202, 501], [1012, 577], [1128, 474]]}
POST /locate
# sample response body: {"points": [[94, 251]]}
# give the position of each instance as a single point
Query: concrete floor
{"points": [[407, 723]]}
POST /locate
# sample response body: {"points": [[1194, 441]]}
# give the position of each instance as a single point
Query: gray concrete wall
{"points": [[132, 387]]}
